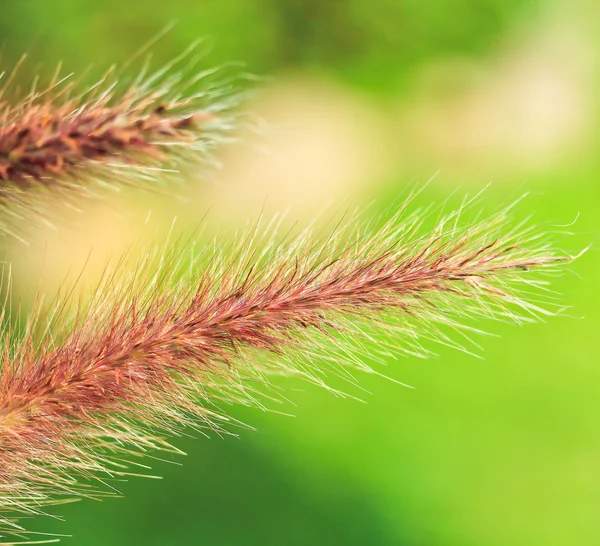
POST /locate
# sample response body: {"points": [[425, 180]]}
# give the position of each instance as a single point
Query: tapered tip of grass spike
{"points": [[62, 140], [168, 340]]}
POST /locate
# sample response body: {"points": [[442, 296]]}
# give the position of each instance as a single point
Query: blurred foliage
{"points": [[495, 452], [372, 43]]}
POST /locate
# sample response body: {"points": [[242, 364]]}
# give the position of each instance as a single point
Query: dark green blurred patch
{"points": [[376, 44], [230, 491]]}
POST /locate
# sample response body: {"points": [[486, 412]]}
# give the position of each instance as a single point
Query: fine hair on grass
{"points": [[170, 341]]}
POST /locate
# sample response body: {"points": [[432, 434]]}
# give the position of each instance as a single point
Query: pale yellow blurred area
{"points": [[528, 108]]}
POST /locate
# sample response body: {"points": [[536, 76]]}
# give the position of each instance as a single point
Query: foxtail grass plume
{"points": [[63, 142], [172, 341]]}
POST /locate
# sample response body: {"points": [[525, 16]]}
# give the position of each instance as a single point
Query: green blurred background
{"points": [[360, 99]]}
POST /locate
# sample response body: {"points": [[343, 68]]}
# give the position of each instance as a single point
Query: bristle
{"points": [[158, 349]]}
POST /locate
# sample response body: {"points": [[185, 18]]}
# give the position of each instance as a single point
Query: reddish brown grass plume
{"points": [[58, 142], [167, 344]]}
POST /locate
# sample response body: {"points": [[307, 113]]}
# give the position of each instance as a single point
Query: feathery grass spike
{"points": [[170, 343], [58, 139]]}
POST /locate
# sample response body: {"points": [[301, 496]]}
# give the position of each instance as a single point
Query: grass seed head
{"points": [[165, 344], [58, 143]]}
